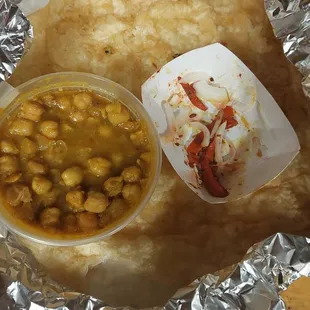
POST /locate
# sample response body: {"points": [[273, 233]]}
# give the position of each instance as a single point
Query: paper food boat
{"points": [[206, 88]]}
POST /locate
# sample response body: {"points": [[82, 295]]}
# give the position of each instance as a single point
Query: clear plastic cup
{"points": [[108, 89]]}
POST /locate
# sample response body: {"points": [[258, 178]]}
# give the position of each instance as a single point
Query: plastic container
{"points": [[108, 89]]}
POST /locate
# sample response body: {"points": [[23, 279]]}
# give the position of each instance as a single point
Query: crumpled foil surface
{"points": [[267, 268], [16, 34], [290, 20]]}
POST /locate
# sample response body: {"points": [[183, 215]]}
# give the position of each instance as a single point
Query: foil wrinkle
{"points": [[290, 20], [16, 34], [268, 268]]}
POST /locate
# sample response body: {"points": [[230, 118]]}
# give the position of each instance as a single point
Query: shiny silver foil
{"points": [[25, 285], [267, 268], [290, 20], [16, 34]]}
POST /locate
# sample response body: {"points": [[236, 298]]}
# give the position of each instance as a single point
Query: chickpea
{"points": [[77, 116], [8, 165], [8, 147], [65, 127], [117, 159], [99, 166], [17, 194], [132, 174], [50, 217], [105, 131], [49, 129], [118, 118], [13, 177], [48, 199], [131, 192], [70, 222], [92, 121], [94, 111], [87, 221], [130, 126], [49, 100], [143, 165], [146, 157], [36, 168], [82, 101], [73, 176], [117, 113], [56, 152], [21, 127], [75, 200], [96, 202], [114, 107], [43, 142], [117, 208], [41, 185], [84, 153], [139, 139], [64, 103], [113, 186], [28, 148], [31, 111]]}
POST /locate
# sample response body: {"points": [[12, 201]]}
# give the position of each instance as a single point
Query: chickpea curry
{"points": [[72, 162]]}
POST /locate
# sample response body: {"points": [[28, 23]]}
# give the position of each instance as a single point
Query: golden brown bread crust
{"points": [[297, 296]]}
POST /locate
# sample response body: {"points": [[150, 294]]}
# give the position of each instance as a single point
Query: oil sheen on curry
{"points": [[72, 162]]}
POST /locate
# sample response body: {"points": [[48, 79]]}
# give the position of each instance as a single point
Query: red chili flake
{"points": [[191, 93], [179, 78], [212, 184], [229, 117], [195, 146], [177, 144], [240, 75], [211, 79], [193, 115], [193, 159], [207, 156]]}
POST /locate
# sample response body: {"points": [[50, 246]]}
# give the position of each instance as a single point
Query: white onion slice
{"points": [[199, 127], [194, 77], [174, 100], [218, 143], [185, 133], [217, 123], [229, 156], [168, 111], [182, 116], [225, 149], [207, 92]]}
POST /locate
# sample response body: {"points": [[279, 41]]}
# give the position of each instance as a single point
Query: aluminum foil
{"points": [[16, 34], [267, 268], [290, 20]]}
